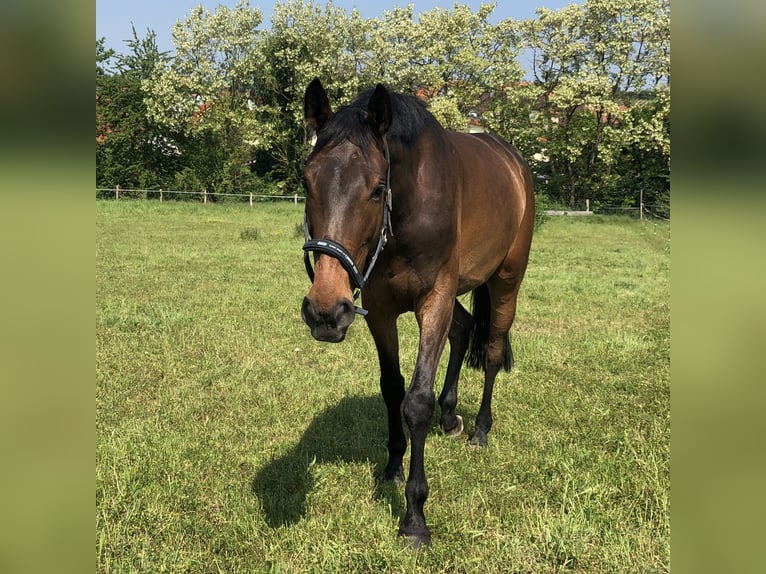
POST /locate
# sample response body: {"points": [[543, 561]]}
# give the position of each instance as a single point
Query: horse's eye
{"points": [[378, 191]]}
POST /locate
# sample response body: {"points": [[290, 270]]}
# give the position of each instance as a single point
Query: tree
{"points": [[305, 41], [103, 57], [455, 59], [132, 150], [224, 112], [595, 67], [205, 91]]}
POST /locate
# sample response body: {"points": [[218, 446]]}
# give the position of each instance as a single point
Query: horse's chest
{"points": [[406, 280], [399, 275]]}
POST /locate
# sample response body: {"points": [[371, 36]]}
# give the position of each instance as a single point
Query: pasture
{"points": [[228, 440]]}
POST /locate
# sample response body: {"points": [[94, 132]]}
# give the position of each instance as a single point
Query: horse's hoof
{"points": [[458, 430], [417, 540], [479, 439], [395, 476]]}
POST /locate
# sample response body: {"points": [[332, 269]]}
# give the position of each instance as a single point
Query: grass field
{"points": [[228, 440]]}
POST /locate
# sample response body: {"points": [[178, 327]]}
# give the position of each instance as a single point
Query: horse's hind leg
{"points": [[459, 336], [503, 301]]}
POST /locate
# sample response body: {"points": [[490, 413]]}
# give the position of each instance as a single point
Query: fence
{"points": [[117, 192], [643, 211]]}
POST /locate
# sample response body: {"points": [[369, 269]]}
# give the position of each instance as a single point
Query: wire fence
{"points": [[659, 212], [654, 215], [203, 196]]}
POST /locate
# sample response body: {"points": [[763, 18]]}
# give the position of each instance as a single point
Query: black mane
{"points": [[409, 118]]}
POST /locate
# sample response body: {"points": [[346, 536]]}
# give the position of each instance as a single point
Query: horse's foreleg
{"points": [[386, 338], [433, 315], [459, 335]]}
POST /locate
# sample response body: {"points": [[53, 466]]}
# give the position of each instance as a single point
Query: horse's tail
{"points": [[477, 349]]}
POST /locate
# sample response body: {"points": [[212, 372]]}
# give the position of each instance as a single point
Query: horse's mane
{"points": [[410, 117]]}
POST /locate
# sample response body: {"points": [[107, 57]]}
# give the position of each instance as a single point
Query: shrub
{"points": [[249, 233]]}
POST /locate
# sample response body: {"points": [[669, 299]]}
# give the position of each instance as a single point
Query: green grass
{"points": [[228, 440]]}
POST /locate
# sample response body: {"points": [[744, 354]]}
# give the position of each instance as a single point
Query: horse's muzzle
{"points": [[328, 325]]}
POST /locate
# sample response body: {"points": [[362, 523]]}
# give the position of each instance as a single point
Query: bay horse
{"points": [[412, 215]]}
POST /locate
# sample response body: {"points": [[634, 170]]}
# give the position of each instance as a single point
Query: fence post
{"points": [[204, 196], [641, 205], [251, 199], [587, 205], [295, 199], [160, 195], [117, 191]]}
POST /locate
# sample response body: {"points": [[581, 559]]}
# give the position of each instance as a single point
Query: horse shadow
{"points": [[353, 431]]}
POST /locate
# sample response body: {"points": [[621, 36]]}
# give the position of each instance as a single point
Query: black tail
{"points": [[477, 349]]}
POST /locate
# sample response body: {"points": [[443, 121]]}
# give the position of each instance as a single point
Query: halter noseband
{"points": [[328, 247]]}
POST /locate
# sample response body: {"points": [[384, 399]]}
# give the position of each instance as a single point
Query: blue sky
{"points": [[114, 17]]}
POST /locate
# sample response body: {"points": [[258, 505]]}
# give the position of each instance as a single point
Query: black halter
{"points": [[328, 247]]}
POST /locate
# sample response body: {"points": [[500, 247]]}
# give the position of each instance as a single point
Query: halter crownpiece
{"points": [[334, 249]]}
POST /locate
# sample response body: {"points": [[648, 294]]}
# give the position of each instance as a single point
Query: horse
{"points": [[411, 215]]}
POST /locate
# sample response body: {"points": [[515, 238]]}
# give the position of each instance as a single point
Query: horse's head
{"points": [[346, 179]]}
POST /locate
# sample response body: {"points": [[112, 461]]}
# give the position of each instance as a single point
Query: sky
{"points": [[114, 17]]}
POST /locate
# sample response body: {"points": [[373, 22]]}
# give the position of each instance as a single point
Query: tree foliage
{"points": [[601, 81], [205, 92], [592, 114], [132, 149], [453, 58], [306, 40]]}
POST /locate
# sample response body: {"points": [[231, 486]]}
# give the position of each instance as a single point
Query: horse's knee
{"points": [[419, 406]]}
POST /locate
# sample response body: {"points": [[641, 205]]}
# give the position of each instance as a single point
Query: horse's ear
{"points": [[379, 110], [316, 106]]}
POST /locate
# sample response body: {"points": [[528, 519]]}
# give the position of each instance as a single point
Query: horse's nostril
{"points": [[308, 312], [343, 309]]}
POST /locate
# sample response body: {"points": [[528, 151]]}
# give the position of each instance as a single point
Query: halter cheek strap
{"points": [[334, 249]]}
